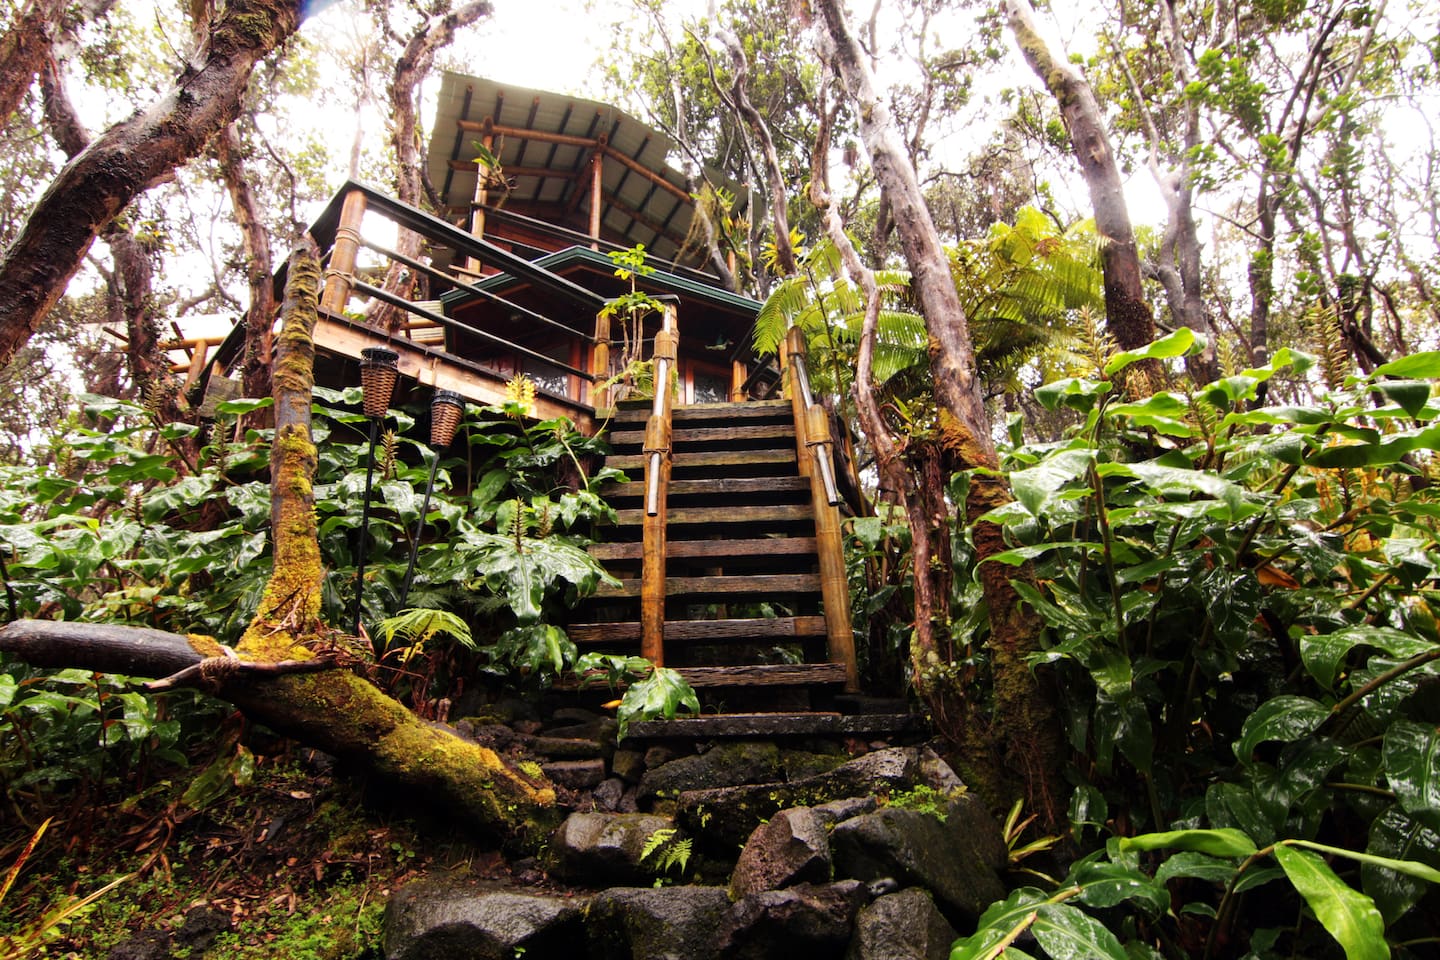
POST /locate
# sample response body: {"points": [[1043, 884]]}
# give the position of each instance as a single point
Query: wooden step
{"points": [[687, 435], [756, 675], [708, 586], [704, 631], [712, 487], [750, 410], [783, 513], [679, 549], [709, 458]]}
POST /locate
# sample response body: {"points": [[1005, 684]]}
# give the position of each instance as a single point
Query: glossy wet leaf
{"points": [[1424, 366], [1198, 866], [1280, 718], [1397, 836], [1323, 654], [1182, 342], [1108, 884], [1069, 933], [662, 694], [1225, 842], [999, 921], [1349, 916], [1412, 767]]}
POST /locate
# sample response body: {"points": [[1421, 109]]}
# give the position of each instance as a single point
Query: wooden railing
{"points": [[657, 481], [813, 450]]}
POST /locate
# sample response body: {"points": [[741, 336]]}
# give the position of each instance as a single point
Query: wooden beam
{"points": [[647, 173], [464, 167], [432, 368]]}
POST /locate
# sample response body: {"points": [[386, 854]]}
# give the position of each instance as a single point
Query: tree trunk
{"points": [[335, 710], [24, 48], [1023, 731], [411, 69], [1127, 312], [128, 159], [255, 243]]}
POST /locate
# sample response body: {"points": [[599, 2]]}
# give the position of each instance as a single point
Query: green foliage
{"points": [[665, 850], [652, 692], [30, 937], [1239, 603]]}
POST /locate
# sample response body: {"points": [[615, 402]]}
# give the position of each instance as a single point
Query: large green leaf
{"points": [[662, 694], [1178, 344], [1424, 366], [1323, 654], [1072, 392], [1034, 486], [1000, 922], [1068, 933], [1226, 842], [1199, 866], [1107, 884], [1397, 836], [1279, 718], [1350, 916], [1412, 766]]}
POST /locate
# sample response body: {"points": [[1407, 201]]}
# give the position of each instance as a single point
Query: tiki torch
{"points": [[445, 412], [379, 369]]}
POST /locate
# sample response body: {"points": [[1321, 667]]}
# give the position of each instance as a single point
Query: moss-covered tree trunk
{"points": [[332, 709]]}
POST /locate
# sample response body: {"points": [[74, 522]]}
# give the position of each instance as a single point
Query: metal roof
{"points": [[546, 172]]}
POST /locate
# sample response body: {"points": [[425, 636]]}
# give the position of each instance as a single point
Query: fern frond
{"points": [[420, 625]]}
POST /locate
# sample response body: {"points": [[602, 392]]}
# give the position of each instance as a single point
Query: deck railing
{"points": [[813, 449], [657, 481]]}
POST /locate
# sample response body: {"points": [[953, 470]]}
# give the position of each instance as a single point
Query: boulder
{"points": [[609, 793], [728, 765], [662, 923], [976, 830], [725, 816], [936, 773], [791, 848], [439, 919], [628, 765], [916, 849], [575, 774], [799, 764], [837, 811], [810, 921], [901, 926], [604, 848]]}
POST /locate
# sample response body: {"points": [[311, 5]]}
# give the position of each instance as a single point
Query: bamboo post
{"points": [[792, 354], [830, 548], [738, 375], [597, 176], [657, 480], [342, 255], [600, 362]]}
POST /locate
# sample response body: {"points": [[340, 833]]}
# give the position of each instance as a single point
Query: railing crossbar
{"points": [[407, 306], [430, 271]]}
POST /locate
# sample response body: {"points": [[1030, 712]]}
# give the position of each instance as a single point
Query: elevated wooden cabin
{"points": [[728, 546]]}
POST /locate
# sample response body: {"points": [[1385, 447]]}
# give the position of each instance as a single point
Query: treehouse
{"points": [[727, 547]]}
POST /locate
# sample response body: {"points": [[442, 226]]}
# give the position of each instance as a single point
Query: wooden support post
{"points": [[482, 195], [738, 376], [597, 198], [830, 548], [657, 482], [197, 362], [600, 362], [792, 350], [341, 270]]}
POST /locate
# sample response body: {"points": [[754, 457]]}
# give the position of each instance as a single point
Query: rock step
{"points": [[775, 725]]}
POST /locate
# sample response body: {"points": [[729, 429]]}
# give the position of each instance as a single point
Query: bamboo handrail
{"points": [[657, 478], [812, 435]]}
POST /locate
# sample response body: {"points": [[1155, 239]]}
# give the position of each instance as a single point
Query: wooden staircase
{"points": [[742, 584]]}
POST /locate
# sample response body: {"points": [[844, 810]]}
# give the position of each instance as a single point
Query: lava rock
{"points": [[791, 848], [664, 923], [729, 765], [838, 811], [628, 765], [609, 793], [436, 919], [799, 764], [604, 848], [936, 773], [725, 816], [811, 921], [564, 748], [901, 926], [575, 774], [917, 849]]}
